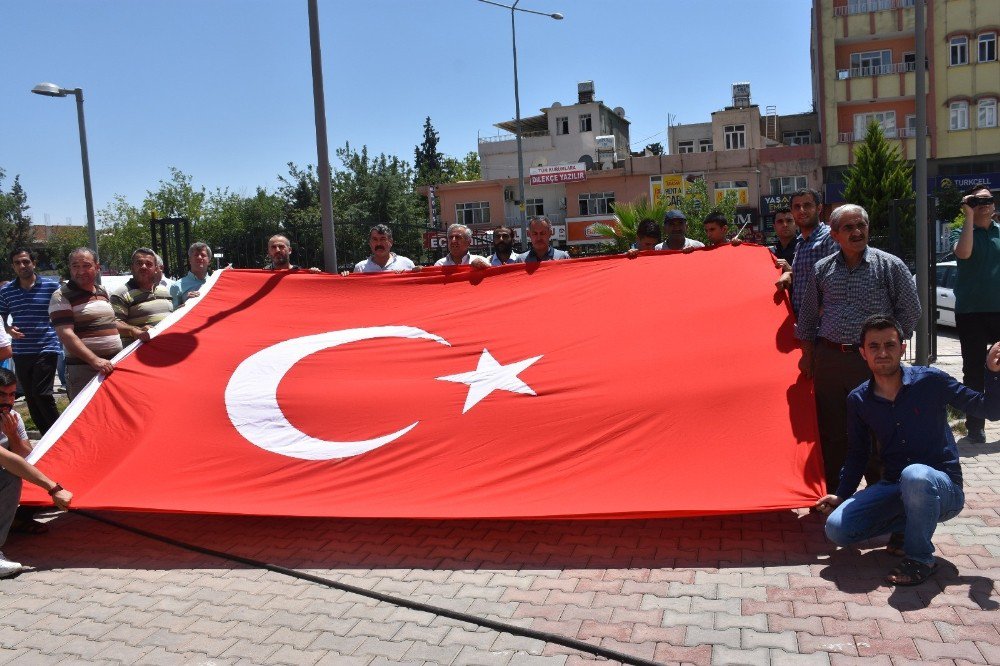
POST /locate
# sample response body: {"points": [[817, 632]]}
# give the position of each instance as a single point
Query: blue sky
{"points": [[221, 89]]}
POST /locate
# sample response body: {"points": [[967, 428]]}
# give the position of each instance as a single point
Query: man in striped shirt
{"points": [[82, 315], [142, 302], [36, 345]]}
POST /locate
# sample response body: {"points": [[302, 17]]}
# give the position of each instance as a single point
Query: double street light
{"points": [[517, 105], [52, 90]]}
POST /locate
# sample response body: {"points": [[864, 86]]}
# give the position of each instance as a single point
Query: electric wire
{"points": [[487, 623]]}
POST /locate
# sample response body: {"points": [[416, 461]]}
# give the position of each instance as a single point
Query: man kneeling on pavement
{"points": [[14, 444], [921, 485]]}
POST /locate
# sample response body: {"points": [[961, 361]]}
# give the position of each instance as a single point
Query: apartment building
{"points": [[758, 158], [864, 69]]}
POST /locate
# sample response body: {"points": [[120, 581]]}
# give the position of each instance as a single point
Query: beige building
{"points": [[864, 64], [559, 135]]}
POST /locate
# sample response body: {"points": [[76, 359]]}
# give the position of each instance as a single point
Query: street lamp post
{"points": [[52, 90], [517, 106]]}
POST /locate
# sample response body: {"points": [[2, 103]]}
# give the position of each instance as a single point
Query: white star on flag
{"points": [[490, 376]]}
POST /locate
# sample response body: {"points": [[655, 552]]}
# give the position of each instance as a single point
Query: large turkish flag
{"points": [[658, 386]]}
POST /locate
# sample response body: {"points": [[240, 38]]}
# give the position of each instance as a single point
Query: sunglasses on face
{"points": [[975, 202]]}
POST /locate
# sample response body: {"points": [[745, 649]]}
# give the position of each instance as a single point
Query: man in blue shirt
{"points": [[921, 485], [36, 345], [189, 286]]}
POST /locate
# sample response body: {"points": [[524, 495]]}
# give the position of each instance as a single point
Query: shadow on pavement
{"points": [[752, 540], [854, 572]]}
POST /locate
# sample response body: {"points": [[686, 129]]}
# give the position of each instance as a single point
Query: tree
{"points": [[368, 191], [878, 177], [121, 229], [63, 241], [949, 201], [696, 206], [176, 197], [629, 214], [454, 170], [655, 148], [15, 223], [427, 161]]}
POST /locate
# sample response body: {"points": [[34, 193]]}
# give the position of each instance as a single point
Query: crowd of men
{"points": [[855, 306]]}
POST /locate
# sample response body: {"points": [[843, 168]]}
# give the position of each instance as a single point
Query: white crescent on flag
{"points": [[252, 395]]}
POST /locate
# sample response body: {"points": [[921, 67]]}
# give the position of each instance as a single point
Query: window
{"points": [[871, 63], [562, 125], [685, 146], [796, 138], [585, 125], [910, 61], [886, 119], [987, 113], [959, 116], [959, 50], [534, 207], [597, 203], [473, 212], [704, 145], [787, 184], [987, 47], [735, 136]]}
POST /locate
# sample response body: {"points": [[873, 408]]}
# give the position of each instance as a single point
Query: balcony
{"points": [[877, 70], [865, 6], [900, 133], [512, 137]]}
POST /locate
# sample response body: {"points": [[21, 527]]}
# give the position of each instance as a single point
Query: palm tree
{"points": [[629, 214]]}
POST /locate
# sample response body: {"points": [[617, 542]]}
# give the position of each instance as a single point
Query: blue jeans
{"points": [[921, 499]]}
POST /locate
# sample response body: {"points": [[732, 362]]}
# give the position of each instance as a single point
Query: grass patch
{"points": [[29, 423], [956, 418]]}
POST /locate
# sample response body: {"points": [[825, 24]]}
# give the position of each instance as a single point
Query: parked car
{"points": [[945, 276]]}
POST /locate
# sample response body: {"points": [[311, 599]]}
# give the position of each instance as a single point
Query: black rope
{"points": [[547, 637]]}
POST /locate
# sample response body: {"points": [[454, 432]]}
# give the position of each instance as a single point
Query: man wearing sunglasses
{"points": [[977, 292]]}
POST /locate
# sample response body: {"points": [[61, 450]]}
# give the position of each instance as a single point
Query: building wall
{"points": [[841, 94], [498, 155], [969, 82]]}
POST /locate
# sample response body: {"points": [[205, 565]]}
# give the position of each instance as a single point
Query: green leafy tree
{"points": [[696, 205], [15, 222], [63, 241], [655, 148], [371, 190], [176, 197], [121, 229], [454, 170], [878, 177], [949, 202]]}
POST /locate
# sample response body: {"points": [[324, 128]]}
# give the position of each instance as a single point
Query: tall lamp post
{"points": [[517, 106], [322, 150], [52, 90]]}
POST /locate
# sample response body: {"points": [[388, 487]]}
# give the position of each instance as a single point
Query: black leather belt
{"points": [[846, 349]]}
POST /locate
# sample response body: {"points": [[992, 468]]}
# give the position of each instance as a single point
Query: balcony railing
{"points": [[511, 137], [899, 133], [877, 70], [866, 6]]}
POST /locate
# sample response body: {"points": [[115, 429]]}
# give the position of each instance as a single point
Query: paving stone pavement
{"points": [[749, 589]]}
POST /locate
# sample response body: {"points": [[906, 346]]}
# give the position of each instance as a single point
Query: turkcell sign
{"points": [[559, 173], [964, 182]]}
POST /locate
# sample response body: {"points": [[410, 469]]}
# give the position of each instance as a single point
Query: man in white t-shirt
{"points": [[382, 258], [675, 229], [459, 240]]}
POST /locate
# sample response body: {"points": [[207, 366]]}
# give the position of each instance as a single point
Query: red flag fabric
{"points": [[665, 385]]}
